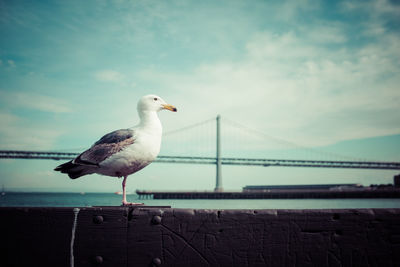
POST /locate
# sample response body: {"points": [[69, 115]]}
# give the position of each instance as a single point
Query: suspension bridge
{"points": [[217, 159]]}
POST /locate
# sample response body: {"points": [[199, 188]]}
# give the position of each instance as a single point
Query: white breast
{"points": [[142, 152]]}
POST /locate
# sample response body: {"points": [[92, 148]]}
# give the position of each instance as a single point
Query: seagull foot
{"points": [[131, 204]]}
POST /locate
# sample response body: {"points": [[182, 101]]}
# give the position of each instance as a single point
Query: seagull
{"points": [[126, 151]]}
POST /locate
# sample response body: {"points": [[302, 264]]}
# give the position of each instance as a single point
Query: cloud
{"points": [[291, 10], [34, 101], [19, 133], [109, 76], [294, 73], [7, 118], [374, 8], [331, 33], [11, 63], [378, 14], [297, 90]]}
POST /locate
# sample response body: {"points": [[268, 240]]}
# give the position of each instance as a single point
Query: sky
{"points": [[320, 75]]}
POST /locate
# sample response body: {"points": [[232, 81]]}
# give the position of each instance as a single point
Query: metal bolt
{"points": [[157, 261], [98, 219], [156, 219], [98, 260]]}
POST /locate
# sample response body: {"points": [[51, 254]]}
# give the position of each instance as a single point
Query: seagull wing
{"points": [[108, 145]]}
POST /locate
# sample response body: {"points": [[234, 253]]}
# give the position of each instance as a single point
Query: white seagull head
{"points": [[153, 103]]}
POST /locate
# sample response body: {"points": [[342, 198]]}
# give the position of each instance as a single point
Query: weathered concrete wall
{"points": [[118, 236]]}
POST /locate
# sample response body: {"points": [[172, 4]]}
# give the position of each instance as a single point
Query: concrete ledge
{"points": [[154, 236]]}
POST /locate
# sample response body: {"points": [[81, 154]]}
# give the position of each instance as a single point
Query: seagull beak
{"points": [[169, 107]]}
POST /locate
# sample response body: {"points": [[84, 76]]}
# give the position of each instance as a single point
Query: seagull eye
{"points": [[155, 99]]}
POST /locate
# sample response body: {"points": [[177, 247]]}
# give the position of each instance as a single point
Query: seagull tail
{"points": [[73, 170]]}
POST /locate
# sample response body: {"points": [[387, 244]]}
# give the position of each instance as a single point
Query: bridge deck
{"points": [[225, 161]]}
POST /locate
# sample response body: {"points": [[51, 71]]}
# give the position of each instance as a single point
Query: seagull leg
{"points": [[124, 202], [124, 191]]}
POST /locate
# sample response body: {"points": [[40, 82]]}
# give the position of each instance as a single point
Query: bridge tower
{"points": [[218, 184]]}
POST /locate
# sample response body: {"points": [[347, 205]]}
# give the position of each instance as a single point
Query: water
{"points": [[13, 199]]}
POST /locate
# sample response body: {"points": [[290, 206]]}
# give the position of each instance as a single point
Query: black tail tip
{"points": [[64, 167]]}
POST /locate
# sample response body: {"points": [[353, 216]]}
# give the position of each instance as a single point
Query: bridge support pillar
{"points": [[218, 184]]}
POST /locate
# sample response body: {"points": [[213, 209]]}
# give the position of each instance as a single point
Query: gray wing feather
{"points": [[108, 145], [115, 137]]}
